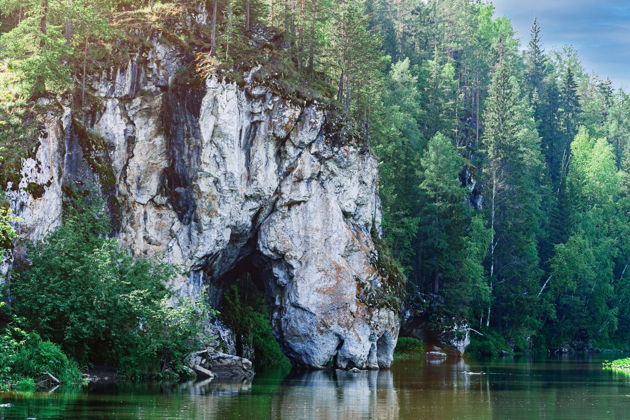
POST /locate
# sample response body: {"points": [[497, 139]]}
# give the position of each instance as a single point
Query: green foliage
{"points": [[492, 343], [397, 140], [25, 357], [26, 385], [553, 230], [512, 175], [583, 268], [36, 356], [103, 306], [408, 347], [496, 206], [617, 365], [245, 311], [7, 232], [453, 248]]}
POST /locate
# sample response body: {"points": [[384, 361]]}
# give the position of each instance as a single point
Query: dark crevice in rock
{"points": [[130, 140], [247, 142], [180, 119]]}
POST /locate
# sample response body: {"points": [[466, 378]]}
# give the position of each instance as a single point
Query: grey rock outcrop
{"points": [[208, 363], [208, 176]]}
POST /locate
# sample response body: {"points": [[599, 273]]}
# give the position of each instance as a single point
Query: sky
{"points": [[598, 29]]}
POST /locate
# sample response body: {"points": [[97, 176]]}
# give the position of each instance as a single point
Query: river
{"points": [[509, 388]]}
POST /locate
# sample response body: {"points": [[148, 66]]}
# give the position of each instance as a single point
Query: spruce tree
{"points": [[453, 242], [512, 176]]}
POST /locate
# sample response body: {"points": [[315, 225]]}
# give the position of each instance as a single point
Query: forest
{"points": [[504, 166]]}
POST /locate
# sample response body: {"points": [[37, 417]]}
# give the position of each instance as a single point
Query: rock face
{"points": [[210, 176]]}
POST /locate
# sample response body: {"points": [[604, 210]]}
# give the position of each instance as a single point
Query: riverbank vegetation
{"points": [[409, 348], [619, 365], [246, 312], [79, 300]]}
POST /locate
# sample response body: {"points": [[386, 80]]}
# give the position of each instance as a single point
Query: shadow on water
{"points": [[514, 388]]}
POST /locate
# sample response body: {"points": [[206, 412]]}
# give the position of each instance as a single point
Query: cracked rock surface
{"points": [[207, 176]]}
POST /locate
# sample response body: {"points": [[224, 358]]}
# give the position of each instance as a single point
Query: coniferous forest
{"points": [[504, 165]]}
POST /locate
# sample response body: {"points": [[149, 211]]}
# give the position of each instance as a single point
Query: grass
{"points": [[409, 348], [619, 365]]}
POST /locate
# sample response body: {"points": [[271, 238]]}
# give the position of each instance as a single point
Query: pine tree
{"points": [[569, 121], [512, 176], [453, 244], [536, 70], [359, 62], [397, 142]]}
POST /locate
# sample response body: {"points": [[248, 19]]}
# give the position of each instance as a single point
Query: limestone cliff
{"points": [[212, 176]]}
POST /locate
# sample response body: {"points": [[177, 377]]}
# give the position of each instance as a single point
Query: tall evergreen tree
{"points": [[569, 121], [452, 271], [512, 176]]}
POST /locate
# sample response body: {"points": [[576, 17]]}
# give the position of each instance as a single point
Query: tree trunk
{"points": [[348, 94], [43, 20], [213, 36], [340, 89], [228, 8], [248, 16], [68, 35], [273, 13], [40, 82], [492, 243], [311, 41], [478, 99], [85, 51], [68, 32]]}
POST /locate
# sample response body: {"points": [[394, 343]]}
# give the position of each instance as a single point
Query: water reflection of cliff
{"points": [[413, 389], [337, 395], [329, 395]]}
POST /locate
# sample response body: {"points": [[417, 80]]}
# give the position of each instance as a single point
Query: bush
{"points": [[620, 365], [100, 304], [409, 345], [490, 344], [36, 357], [171, 333], [26, 385], [25, 356], [247, 315]]}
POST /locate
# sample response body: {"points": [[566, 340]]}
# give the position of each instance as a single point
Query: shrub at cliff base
{"points": [[490, 344], [408, 348], [25, 358], [246, 314], [102, 306]]}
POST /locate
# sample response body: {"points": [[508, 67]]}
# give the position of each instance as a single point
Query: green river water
{"points": [[511, 388]]}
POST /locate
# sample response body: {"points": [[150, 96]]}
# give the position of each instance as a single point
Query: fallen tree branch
{"points": [[544, 285], [475, 331]]}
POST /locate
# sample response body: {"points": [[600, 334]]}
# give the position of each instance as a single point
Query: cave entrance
{"points": [[244, 308]]}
